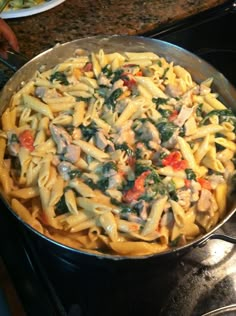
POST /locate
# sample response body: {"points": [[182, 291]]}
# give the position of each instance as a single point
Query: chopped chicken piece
{"points": [[205, 201], [72, 153], [183, 116], [100, 140], [184, 198], [173, 90], [60, 137]]}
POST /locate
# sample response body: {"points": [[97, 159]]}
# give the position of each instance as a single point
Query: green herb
{"points": [[88, 131], [159, 63], [138, 153], [220, 113], [124, 208], [199, 109], [166, 130], [102, 184], [182, 131], [140, 168], [190, 175], [78, 99], [102, 91], [14, 138], [111, 100], [164, 73], [159, 101], [90, 183], [117, 75], [59, 76], [108, 166], [175, 242], [126, 185], [219, 147], [76, 173], [164, 113], [107, 70], [171, 189], [61, 207], [124, 147]]}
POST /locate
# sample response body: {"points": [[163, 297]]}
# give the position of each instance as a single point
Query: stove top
{"points": [[202, 280]]}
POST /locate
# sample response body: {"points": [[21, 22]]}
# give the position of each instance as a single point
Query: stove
{"points": [[202, 280]]}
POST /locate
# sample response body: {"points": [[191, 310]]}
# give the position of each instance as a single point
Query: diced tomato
{"points": [[173, 116], [180, 165], [128, 80], [139, 73], [26, 140], [187, 183], [205, 184], [140, 181], [88, 67], [172, 157], [138, 188], [174, 160]]}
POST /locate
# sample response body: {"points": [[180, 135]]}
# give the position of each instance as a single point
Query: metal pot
{"points": [[199, 69]]}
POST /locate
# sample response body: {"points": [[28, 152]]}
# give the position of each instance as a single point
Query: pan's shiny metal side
{"points": [[199, 69]]}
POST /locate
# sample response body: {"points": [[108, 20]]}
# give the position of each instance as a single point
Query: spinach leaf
{"points": [[107, 70], [171, 189], [175, 242], [166, 130], [61, 207], [164, 73], [59, 76], [124, 147], [124, 208], [164, 113], [89, 131], [90, 183], [199, 109], [190, 175], [102, 91], [111, 100], [220, 113], [76, 173], [117, 75], [78, 99], [159, 101], [108, 166]]}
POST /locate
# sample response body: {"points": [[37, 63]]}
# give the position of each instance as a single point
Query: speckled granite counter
{"points": [[79, 18]]}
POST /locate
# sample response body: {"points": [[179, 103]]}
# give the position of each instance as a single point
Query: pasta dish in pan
{"points": [[119, 153], [22, 4]]}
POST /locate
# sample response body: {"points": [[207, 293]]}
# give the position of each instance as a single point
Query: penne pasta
{"points": [[118, 152]]}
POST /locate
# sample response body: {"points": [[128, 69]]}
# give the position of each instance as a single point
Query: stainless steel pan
{"points": [[199, 69]]}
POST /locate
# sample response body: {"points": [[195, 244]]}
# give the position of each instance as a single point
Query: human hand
{"points": [[7, 39]]}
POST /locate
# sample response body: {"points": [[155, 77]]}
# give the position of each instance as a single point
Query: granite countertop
{"points": [[80, 18]]}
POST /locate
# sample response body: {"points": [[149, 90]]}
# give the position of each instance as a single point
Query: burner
{"points": [[203, 288]]}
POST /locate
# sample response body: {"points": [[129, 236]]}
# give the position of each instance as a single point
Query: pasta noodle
{"points": [[120, 153]]}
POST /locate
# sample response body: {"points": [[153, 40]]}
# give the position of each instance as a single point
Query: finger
{"points": [[8, 34]]}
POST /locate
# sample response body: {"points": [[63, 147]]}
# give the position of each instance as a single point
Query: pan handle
{"points": [[223, 237], [14, 60]]}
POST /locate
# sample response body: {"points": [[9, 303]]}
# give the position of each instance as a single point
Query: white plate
{"points": [[12, 14]]}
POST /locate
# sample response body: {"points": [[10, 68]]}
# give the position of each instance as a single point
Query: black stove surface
{"points": [[202, 280]]}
